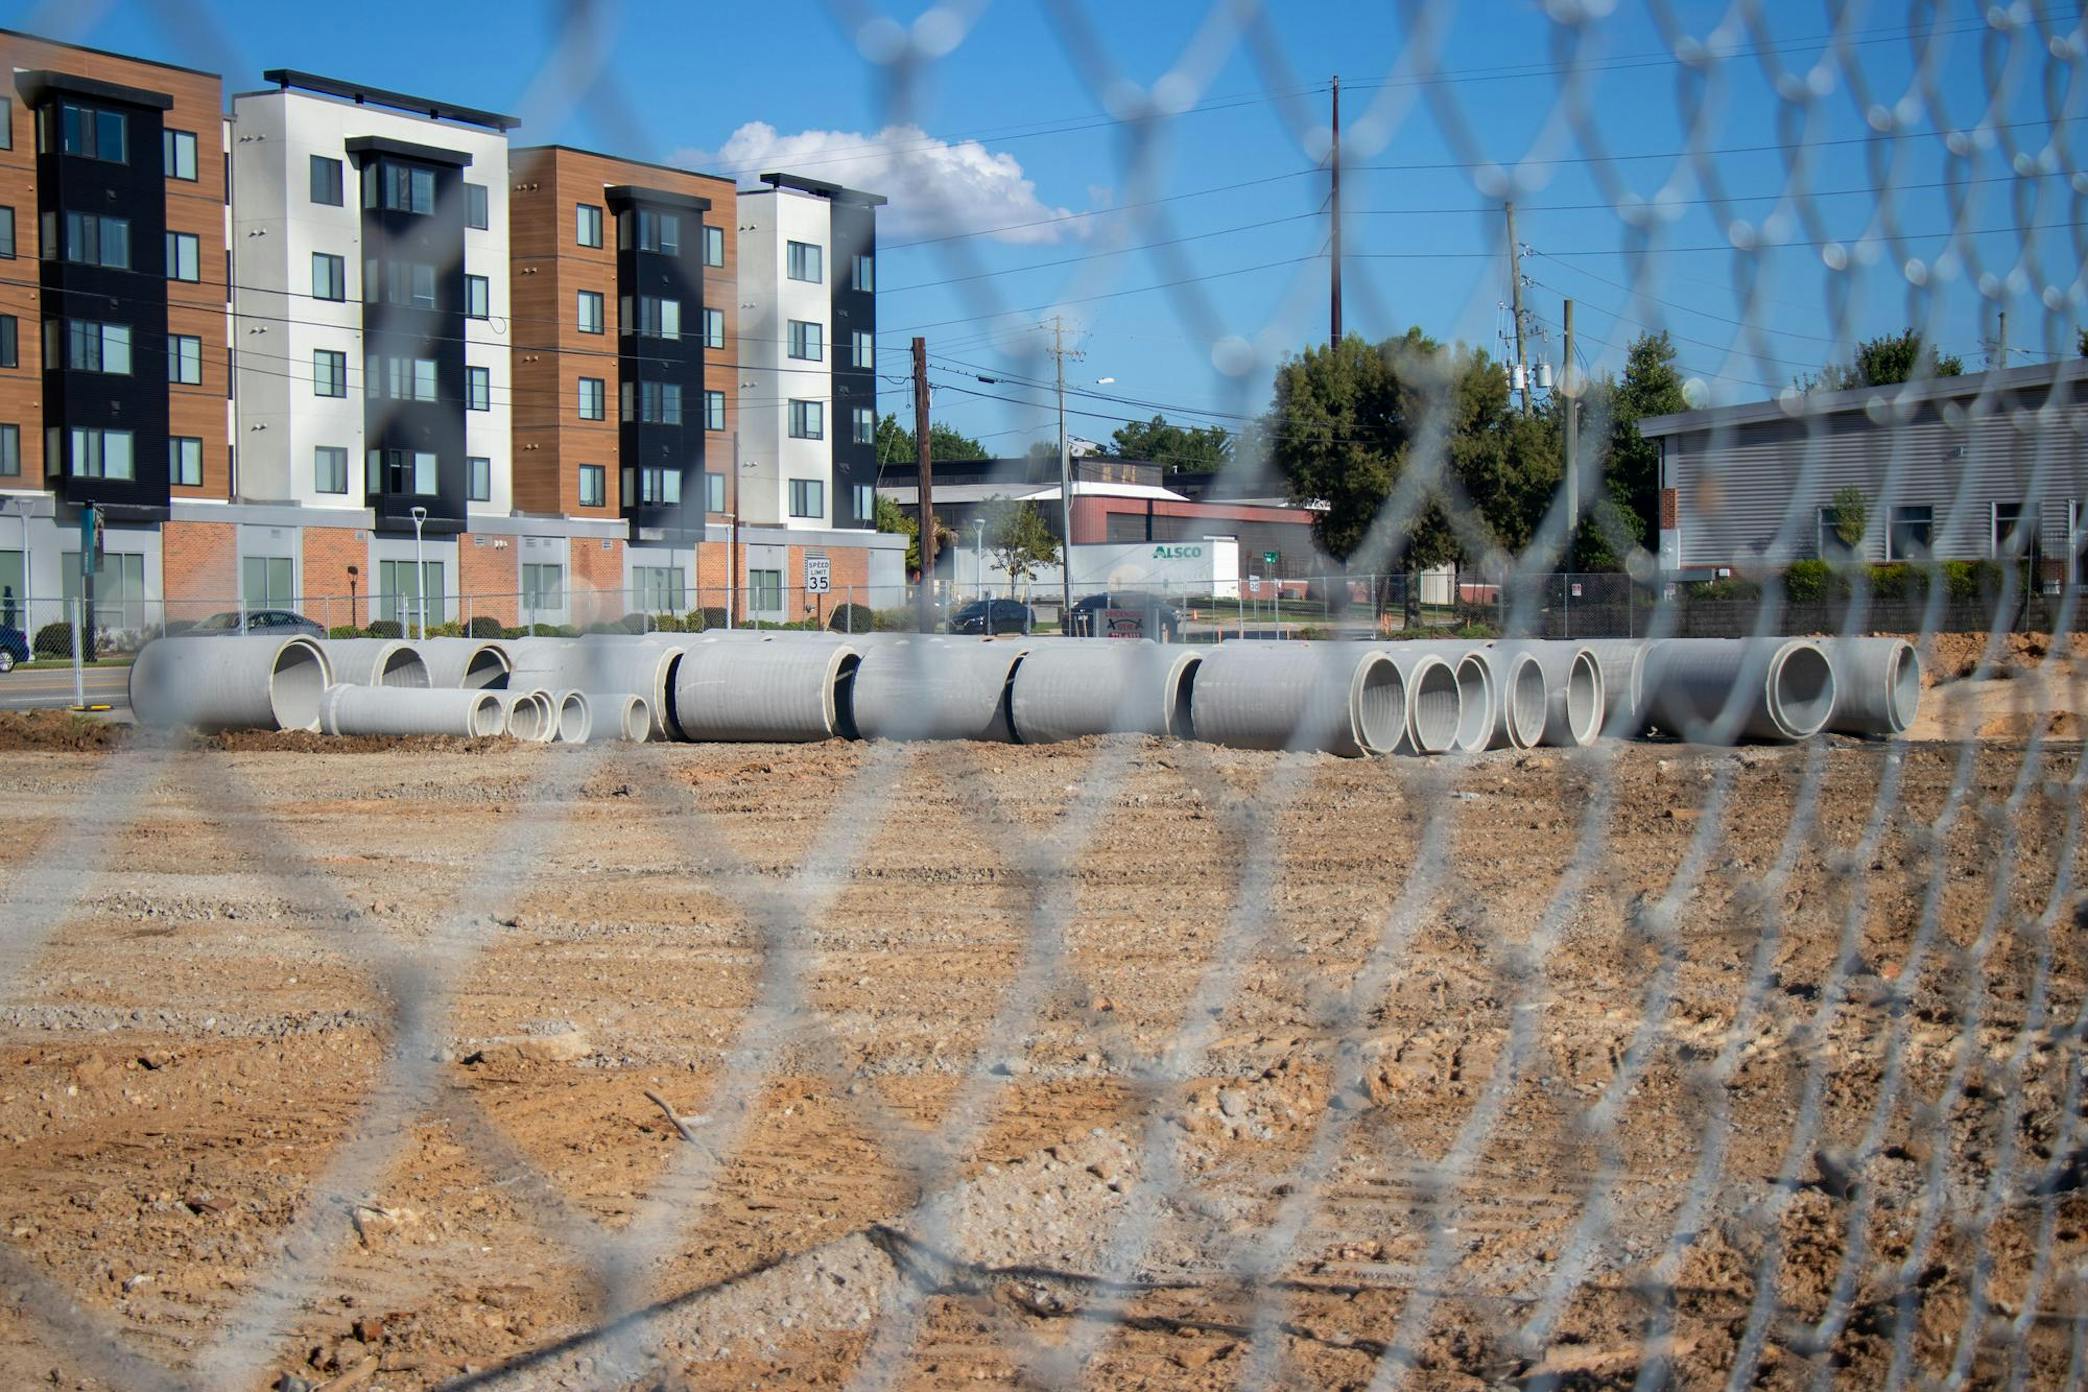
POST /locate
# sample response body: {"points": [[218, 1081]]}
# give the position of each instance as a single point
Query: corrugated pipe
{"points": [[935, 688], [528, 715], [1779, 688], [1104, 686], [375, 662], [464, 662], [1341, 698], [1573, 694], [1623, 664], [242, 683], [1877, 685], [572, 717], [347, 709], [753, 692], [1434, 699], [618, 715]]}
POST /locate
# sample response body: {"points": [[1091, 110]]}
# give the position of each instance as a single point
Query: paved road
{"points": [[53, 687]]}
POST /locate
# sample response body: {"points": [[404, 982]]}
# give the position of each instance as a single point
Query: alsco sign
{"points": [[1177, 553]]}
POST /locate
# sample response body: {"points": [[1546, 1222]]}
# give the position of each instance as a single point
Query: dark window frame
{"points": [[599, 473], [327, 177]]}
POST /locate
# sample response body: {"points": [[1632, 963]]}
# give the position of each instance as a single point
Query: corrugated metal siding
{"points": [[1737, 487]]}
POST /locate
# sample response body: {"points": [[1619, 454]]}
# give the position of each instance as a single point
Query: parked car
{"points": [[14, 647], [1004, 616], [1158, 617], [279, 623]]}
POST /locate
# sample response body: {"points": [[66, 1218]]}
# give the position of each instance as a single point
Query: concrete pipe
{"points": [[375, 662], [1476, 715], [527, 715], [242, 683], [936, 689], [1434, 699], [1573, 694], [618, 715], [1515, 695], [465, 663], [572, 717], [761, 692], [1779, 688], [1877, 685], [1623, 664], [644, 666], [1341, 698], [1104, 687], [347, 709]]}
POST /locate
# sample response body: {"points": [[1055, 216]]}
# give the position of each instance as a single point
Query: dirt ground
{"points": [[337, 1068]]}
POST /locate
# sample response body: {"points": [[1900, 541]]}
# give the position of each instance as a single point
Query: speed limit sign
{"points": [[818, 576]]}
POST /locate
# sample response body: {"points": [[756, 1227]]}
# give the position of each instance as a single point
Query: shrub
{"points": [[1733, 587], [517, 632], [559, 630], [852, 618], [1314, 632], [55, 640], [384, 628], [900, 620], [1971, 580], [485, 626], [1809, 582], [445, 630], [667, 623], [1897, 581], [604, 626], [713, 617], [695, 621], [342, 631]]}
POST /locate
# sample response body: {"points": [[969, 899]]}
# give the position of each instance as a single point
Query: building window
{"points": [[807, 497], [543, 586], [808, 420], [2016, 528], [765, 591], [659, 588], [6, 123], [94, 134], [804, 262], [713, 246], [477, 212], [329, 372], [659, 487], [652, 317], [478, 388], [714, 328], [594, 485], [1913, 528], [587, 224], [266, 582], [714, 410], [185, 466], [408, 283], [400, 379], [92, 347], [401, 473], [864, 496], [478, 478], [589, 311], [7, 233], [400, 585], [329, 276], [10, 341], [866, 273], [326, 181], [102, 454], [10, 451], [184, 256], [330, 469], [185, 359], [178, 148], [714, 492], [91, 240], [865, 426], [593, 398], [478, 297], [399, 188], [807, 341], [654, 403], [865, 349], [660, 232]]}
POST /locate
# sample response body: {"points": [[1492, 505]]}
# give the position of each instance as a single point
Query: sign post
{"points": [[819, 581]]}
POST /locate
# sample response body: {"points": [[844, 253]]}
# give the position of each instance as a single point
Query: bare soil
{"points": [[346, 1062]]}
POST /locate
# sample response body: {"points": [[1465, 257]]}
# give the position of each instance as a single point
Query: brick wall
{"points": [[597, 570], [328, 552], [199, 568], [490, 578]]}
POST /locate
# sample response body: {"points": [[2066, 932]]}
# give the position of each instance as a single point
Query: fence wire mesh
{"points": [[1159, 1062]]}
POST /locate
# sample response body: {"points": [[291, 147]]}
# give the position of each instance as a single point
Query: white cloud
{"points": [[935, 187]]}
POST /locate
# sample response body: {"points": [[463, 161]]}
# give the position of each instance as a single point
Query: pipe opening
{"points": [[1378, 698], [1475, 709], [1434, 707], [486, 715], [573, 718], [1526, 701], [485, 670], [1903, 688], [403, 668], [1801, 691], [1583, 699], [670, 711], [1181, 717], [1006, 704], [841, 699], [296, 682], [637, 720], [526, 718]]}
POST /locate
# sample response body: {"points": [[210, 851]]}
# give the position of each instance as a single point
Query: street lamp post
{"points": [[979, 552], [420, 571]]}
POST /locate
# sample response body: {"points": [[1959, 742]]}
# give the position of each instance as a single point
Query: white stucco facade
{"points": [[769, 378]]}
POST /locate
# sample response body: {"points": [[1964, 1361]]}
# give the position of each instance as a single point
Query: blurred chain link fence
{"points": [[2015, 979]]}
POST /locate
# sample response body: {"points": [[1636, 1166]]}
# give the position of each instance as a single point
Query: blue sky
{"points": [[1231, 222]]}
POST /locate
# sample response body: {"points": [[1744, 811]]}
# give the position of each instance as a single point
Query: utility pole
{"points": [[1058, 353], [1334, 308], [732, 554], [1522, 361], [924, 597], [2000, 354], [1567, 390]]}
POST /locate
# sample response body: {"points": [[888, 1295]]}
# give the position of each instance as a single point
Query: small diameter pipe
{"points": [[375, 662], [1573, 693], [936, 689], [643, 665], [1089, 686], [245, 683], [1434, 699], [465, 663], [573, 718], [528, 715], [618, 715], [765, 692], [1877, 685], [1623, 664], [387, 710], [1342, 698], [1515, 693], [1780, 689]]}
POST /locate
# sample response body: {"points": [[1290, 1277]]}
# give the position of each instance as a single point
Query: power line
{"points": [[1115, 294]]}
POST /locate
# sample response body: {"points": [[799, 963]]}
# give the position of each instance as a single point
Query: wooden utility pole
{"points": [[1522, 361], [924, 596], [2000, 357], [732, 555], [1568, 394], [1334, 287], [1059, 353]]}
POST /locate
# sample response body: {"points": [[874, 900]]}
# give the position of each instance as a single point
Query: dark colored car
{"points": [[14, 647], [1004, 615], [1157, 617], [280, 623]]}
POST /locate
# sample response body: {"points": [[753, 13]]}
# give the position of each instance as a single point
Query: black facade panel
{"points": [[652, 445], [855, 387]]}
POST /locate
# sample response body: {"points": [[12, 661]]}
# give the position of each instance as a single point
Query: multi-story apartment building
{"points": [[113, 349], [808, 348], [372, 328]]}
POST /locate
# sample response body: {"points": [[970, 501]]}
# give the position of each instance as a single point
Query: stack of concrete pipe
{"points": [[232, 683], [352, 709], [377, 662], [466, 663]]}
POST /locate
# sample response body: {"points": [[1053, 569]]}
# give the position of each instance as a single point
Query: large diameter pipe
{"points": [[1573, 692], [1344, 699], [394, 710], [1434, 700], [931, 689], [243, 683], [465, 663], [764, 692], [618, 715], [1623, 664], [572, 718], [1774, 688], [1877, 685], [375, 662], [1111, 686]]}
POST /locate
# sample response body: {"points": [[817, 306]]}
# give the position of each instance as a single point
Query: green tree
{"points": [[946, 444], [1885, 361], [1849, 516], [1651, 386], [1171, 446], [890, 517], [1338, 433], [1018, 538]]}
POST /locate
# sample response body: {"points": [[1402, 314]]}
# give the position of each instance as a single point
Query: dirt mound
{"points": [[310, 742], [1948, 657], [57, 729]]}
